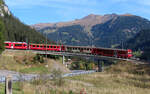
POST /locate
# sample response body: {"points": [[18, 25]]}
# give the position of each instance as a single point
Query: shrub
{"points": [[38, 58], [57, 77]]}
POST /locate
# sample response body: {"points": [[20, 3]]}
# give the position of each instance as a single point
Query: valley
{"points": [[74, 47]]}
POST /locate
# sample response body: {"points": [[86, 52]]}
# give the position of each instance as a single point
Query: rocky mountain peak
{"points": [[127, 14], [91, 16], [4, 9]]}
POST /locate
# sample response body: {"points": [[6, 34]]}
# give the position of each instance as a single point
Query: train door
{"points": [[115, 53], [12, 45]]}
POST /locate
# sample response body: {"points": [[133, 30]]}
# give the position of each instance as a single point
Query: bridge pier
{"points": [[100, 66], [63, 59]]}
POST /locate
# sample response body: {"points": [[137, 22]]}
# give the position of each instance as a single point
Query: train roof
{"points": [[82, 46], [13, 42], [96, 47], [45, 44]]}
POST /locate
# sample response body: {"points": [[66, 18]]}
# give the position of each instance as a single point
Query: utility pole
{"points": [[57, 37], [122, 44], [8, 85], [46, 46]]}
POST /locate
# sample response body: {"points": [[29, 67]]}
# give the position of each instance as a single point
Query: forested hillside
{"points": [[2, 30], [118, 30], [141, 42], [70, 35], [17, 31]]}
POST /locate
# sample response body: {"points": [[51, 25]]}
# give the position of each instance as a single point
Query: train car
{"points": [[119, 53], [16, 45], [8, 45], [124, 53], [78, 49], [103, 52], [19, 45], [45, 47]]}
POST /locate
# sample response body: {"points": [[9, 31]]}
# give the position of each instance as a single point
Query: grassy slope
{"points": [[22, 61]]}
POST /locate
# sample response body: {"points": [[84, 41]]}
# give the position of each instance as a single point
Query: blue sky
{"points": [[44, 11]]}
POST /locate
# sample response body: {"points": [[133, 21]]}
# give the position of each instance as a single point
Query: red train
{"points": [[119, 53]]}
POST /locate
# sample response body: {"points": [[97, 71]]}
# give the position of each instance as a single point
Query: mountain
{"points": [[99, 30], [118, 30], [15, 30]]}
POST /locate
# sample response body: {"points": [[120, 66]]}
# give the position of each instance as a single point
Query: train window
{"points": [[18, 44], [6, 44], [33, 45], [37, 45], [51, 46]]}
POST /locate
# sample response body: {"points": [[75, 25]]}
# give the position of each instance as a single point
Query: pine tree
{"points": [[2, 30]]}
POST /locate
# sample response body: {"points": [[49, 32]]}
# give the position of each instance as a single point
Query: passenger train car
{"points": [[119, 53], [16, 45], [45, 47]]}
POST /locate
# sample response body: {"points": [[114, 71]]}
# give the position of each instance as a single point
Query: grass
{"points": [[122, 78], [36, 69], [97, 83]]}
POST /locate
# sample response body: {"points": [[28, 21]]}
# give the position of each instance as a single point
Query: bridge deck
{"points": [[74, 54]]}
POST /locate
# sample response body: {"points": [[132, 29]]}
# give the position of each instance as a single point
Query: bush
{"points": [[38, 58], [82, 65], [57, 77]]}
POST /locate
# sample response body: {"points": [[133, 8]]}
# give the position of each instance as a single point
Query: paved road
{"points": [[16, 76]]}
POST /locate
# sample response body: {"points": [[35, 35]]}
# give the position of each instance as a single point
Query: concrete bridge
{"points": [[98, 58]]}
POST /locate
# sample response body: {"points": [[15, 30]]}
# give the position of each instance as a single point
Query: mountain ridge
{"points": [[99, 30], [85, 21]]}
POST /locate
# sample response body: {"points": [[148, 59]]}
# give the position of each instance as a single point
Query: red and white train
{"points": [[119, 53]]}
